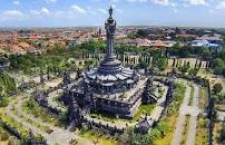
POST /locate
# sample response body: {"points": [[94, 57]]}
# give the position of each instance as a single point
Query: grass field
{"points": [[40, 113], [100, 139], [185, 131], [166, 140], [10, 121], [212, 78], [192, 96], [201, 132], [203, 98], [143, 110], [171, 118], [216, 133]]}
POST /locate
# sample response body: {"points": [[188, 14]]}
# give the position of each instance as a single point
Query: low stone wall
{"points": [[100, 124], [11, 130]]}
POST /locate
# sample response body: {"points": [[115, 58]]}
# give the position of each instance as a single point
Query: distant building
{"points": [[72, 43], [205, 43]]}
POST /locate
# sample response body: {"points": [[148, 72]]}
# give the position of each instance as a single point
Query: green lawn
{"points": [[172, 115], [185, 131], [39, 112], [98, 137], [201, 132], [190, 102], [143, 110], [203, 97]]}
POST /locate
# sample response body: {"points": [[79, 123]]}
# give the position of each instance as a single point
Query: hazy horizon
{"points": [[89, 13]]}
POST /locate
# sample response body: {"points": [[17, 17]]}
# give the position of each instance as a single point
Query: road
{"points": [[157, 111], [52, 102], [185, 110], [193, 120], [181, 119], [221, 115], [58, 135]]}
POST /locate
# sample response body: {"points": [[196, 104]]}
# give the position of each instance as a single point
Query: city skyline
{"points": [[67, 13]]}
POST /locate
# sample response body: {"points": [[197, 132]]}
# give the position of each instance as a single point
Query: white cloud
{"points": [[91, 11], [42, 12], [197, 2], [59, 14], [120, 11], [77, 9], [12, 15], [103, 11], [137, 0], [45, 11], [221, 5], [50, 1], [161, 2], [112, 1], [16, 2]]}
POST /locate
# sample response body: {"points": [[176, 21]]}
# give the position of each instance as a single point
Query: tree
{"points": [[217, 88], [63, 117], [193, 72], [89, 62], [13, 141], [132, 35], [161, 63], [218, 70], [133, 138], [143, 64], [4, 102], [218, 62], [184, 68], [8, 84], [222, 134]]}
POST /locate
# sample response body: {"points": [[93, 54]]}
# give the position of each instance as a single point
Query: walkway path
{"points": [[221, 115], [52, 102], [157, 112], [58, 135], [185, 110], [181, 119], [193, 120]]}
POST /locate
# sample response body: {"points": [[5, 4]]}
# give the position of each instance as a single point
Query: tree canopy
{"points": [[217, 88]]}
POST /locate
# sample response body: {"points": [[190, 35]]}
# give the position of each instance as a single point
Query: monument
{"points": [[110, 88]]}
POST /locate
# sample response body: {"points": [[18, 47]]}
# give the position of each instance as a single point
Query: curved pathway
{"points": [[58, 135], [54, 103]]}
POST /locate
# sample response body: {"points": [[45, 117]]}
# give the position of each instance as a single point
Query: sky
{"points": [[73, 13]]}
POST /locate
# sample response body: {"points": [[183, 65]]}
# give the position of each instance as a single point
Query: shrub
{"points": [[4, 136], [222, 135], [73, 142], [4, 102], [13, 141], [217, 88]]}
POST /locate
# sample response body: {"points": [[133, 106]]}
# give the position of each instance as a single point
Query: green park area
{"points": [[98, 136], [201, 131], [172, 114], [31, 107]]}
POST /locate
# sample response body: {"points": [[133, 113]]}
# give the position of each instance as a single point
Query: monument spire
{"points": [[110, 11], [110, 65], [110, 27]]}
